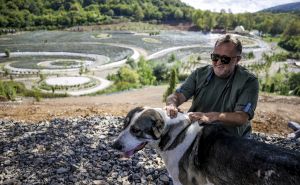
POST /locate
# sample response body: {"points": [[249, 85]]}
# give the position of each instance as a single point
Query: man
{"points": [[223, 92]]}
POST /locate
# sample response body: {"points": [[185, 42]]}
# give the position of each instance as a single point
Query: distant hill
{"points": [[284, 8], [64, 13]]}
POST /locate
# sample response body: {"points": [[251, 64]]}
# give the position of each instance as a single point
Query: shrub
{"points": [[250, 55], [126, 74], [145, 72], [131, 63], [294, 83], [172, 58], [10, 92], [160, 72], [7, 53], [172, 84], [37, 94]]}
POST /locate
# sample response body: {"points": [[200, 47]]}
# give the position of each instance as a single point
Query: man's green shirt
{"points": [[239, 92]]}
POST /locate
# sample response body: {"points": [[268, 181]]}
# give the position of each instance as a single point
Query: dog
{"points": [[196, 153]]}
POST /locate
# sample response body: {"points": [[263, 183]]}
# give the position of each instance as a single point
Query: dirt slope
{"points": [[272, 112]]}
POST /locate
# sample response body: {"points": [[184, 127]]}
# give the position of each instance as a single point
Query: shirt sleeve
{"points": [[188, 87], [247, 100]]}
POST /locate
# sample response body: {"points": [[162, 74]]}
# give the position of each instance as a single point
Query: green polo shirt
{"points": [[239, 92]]}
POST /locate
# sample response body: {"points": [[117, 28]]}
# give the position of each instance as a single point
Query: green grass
{"points": [[9, 90], [271, 39], [65, 63], [151, 40], [103, 36]]}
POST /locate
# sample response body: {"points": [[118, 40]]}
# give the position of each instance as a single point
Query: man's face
{"points": [[225, 70]]}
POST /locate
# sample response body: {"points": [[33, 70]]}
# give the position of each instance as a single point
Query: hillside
{"points": [[64, 13], [284, 8], [272, 113]]}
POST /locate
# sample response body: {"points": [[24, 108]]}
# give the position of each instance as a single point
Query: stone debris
{"points": [[78, 151]]}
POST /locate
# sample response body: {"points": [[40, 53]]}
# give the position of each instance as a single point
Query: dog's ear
{"points": [[158, 128], [131, 113]]}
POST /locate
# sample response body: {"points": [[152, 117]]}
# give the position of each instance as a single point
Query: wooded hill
{"points": [[64, 13], [290, 7], [43, 14]]}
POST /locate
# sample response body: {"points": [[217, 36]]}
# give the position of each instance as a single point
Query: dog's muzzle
{"points": [[116, 145]]}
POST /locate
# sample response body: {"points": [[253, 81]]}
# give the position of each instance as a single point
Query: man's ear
{"points": [[238, 58]]}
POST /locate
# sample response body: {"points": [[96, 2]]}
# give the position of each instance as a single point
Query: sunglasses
{"points": [[223, 58]]}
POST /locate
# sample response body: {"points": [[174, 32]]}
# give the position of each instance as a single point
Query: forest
{"points": [[64, 13], [58, 14]]}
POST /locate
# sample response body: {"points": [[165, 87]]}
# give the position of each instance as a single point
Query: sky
{"points": [[236, 6]]}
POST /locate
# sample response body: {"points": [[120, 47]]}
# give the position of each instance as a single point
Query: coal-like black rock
{"points": [[78, 151]]}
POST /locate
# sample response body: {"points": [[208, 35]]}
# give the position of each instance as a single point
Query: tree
{"points": [[160, 72], [178, 14], [81, 70], [145, 72], [172, 84], [293, 29], [126, 78], [10, 92], [294, 81], [172, 58], [138, 13], [7, 53], [131, 63]]}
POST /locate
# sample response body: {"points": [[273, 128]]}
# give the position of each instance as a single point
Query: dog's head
{"points": [[141, 125]]}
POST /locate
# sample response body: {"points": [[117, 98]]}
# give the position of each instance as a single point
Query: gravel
{"points": [[78, 151]]}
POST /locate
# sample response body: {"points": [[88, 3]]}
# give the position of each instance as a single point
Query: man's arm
{"points": [[175, 99], [173, 102], [228, 118]]}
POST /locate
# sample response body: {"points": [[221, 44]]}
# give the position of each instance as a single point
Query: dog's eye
{"points": [[126, 122], [135, 130]]}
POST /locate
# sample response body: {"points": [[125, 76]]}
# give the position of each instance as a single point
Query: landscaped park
{"points": [[77, 63]]}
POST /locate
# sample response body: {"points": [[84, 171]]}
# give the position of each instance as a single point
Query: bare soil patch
{"points": [[272, 113]]}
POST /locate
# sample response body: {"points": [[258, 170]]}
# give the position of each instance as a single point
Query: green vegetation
{"points": [[103, 36], [31, 14], [137, 75], [250, 55], [145, 73], [290, 43], [9, 90], [129, 78], [43, 85], [7, 53], [173, 80], [294, 83], [266, 22], [151, 40], [64, 63], [270, 38], [283, 28], [291, 37], [282, 83]]}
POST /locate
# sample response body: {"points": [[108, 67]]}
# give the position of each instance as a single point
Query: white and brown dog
{"points": [[206, 154]]}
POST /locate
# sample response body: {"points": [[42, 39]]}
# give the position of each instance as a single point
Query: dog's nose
{"points": [[117, 145]]}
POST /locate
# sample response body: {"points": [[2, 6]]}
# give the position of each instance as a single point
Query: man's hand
{"points": [[203, 117], [173, 102], [229, 118], [172, 110]]}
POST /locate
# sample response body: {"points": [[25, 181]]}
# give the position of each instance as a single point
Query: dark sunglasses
{"points": [[223, 58]]}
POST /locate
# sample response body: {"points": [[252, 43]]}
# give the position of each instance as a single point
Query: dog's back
{"points": [[224, 159]]}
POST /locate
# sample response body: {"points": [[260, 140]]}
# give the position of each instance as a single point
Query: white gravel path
{"points": [[67, 80], [103, 85]]}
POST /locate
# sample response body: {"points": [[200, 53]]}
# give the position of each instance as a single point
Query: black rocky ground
{"points": [[78, 151]]}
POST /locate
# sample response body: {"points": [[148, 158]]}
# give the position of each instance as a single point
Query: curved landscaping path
{"points": [[103, 85]]}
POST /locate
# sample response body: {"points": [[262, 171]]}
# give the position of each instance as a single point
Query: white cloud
{"points": [[236, 6]]}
